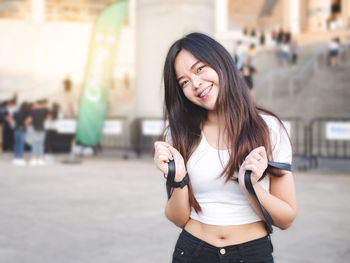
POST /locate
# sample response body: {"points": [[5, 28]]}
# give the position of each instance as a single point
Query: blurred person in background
{"points": [[7, 133], [251, 54], [253, 37], [262, 38], [3, 114], [278, 41], [20, 119], [333, 53], [216, 133], [253, 32], [67, 83], [68, 98], [37, 117], [274, 35], [279, 36], [294, 51], [240, 53], [285, 52], [247, 72], [52, 141], [56, 112], [287, 36]]}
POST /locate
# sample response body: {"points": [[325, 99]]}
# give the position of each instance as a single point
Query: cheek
{"points": [[188, 94], [217, 80], [213, 76]]}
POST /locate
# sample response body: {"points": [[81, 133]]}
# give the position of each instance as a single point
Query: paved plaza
{"points": [[111, 210]]}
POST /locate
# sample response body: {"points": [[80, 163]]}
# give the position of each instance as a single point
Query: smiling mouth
{"points": [[205, 92]]}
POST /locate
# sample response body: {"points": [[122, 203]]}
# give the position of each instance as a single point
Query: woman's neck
{"points": [[215, 132], [213, 120]]}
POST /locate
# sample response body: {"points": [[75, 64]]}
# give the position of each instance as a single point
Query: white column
{"points": [[131, 12], [345, 10], [38, 10], [221, 16], [158, 24], [294, 22]]}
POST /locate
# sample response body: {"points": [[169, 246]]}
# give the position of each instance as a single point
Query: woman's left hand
{"points": [[256, 161]]}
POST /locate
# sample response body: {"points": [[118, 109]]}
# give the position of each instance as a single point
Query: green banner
{"points": [[99, 73]]}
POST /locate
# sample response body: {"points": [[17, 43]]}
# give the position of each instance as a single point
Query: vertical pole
{"points": [[294, 21], [38, 10], [221, 15]]}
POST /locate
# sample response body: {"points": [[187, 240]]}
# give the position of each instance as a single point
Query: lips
{"points": [[204, 92]]}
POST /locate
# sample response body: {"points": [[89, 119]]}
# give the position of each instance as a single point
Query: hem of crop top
{"points": [[224, 223]]}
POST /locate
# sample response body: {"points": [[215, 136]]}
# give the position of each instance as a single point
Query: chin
{"points": [[210, 108]]}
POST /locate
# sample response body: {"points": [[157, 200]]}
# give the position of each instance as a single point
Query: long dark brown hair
{"points": [[244, 127]]}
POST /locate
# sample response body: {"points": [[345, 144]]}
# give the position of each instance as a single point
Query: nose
{"points": [[196, 81]]}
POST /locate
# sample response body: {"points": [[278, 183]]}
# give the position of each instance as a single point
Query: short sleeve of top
{"points": [[167, 136], [280, 143]]}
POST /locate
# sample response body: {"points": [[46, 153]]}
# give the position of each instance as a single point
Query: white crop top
{"points": [[224, 203]]}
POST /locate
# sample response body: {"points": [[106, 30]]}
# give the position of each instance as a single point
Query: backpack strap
{"points": [[250, 188]]}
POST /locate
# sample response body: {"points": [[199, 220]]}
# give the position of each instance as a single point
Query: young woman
{"points": [[215, 134]]}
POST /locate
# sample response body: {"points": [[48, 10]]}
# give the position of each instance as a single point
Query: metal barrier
{"points": [[329, 137], [296, 128], [322, 137], [145, 132], [116, 135], [311, 139], [61, 132]]}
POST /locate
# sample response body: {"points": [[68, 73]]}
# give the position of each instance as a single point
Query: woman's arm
{"points": [[280, 202], [178, 208]]}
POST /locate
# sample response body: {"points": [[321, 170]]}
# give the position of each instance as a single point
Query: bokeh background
{"points": [[103, 202]]}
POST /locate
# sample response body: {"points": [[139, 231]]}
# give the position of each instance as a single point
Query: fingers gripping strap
{"points": [[171, 177], [170, 182], [250, 188]]}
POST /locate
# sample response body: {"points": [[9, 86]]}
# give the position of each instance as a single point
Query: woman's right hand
{"points": [[163, 153]]}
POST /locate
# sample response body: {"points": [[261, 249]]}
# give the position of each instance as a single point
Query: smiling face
{"points": [[199, 81]]}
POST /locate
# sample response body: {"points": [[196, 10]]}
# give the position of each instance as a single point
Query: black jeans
{"points": [[190, 249]]}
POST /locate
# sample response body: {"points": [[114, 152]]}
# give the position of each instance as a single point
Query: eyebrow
{"points": [[190, 69]]}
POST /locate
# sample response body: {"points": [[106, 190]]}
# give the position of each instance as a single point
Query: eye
{"points": [[200, 69], [184, 83]]}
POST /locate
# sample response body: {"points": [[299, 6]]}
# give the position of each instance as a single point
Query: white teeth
{"points": [[205, 92]]}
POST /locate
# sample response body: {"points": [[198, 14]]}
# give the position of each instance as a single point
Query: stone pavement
{"points": [[111, 210]]}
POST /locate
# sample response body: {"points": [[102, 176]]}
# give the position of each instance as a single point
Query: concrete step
{"points": [[321, 92]]}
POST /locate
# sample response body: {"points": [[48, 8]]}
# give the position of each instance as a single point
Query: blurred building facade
{"points": [[44, 40], [296, 15]]}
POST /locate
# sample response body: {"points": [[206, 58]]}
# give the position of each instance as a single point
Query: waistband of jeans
{"points": [[236, 247]]}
